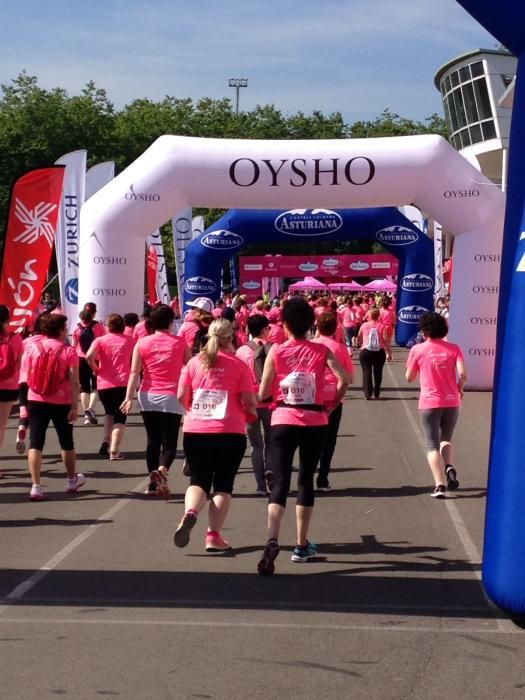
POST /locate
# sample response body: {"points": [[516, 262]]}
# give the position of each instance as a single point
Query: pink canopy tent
{"points": [[346, 286], [307, 283], [380, 286]]}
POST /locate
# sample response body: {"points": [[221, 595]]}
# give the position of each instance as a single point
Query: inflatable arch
{"points": [[181, 171], [207, 254], [504, 546]]}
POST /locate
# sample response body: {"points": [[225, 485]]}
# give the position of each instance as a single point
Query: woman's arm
{"points": [[92, 357], [462, 374], [343, 378], [266, 385], [136, 369], [74, 384]]}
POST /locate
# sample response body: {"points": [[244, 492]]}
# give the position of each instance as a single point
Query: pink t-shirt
{"points": [[162, 357], [300, 365], [349, 318], [365, 331], [341, 353], [276, 334], [98, 331], [387, 317], [215, 395], [188, 331], [114, 352], [23, 366], [435, 360], [17, 345], [140, 330], [67, 358]]}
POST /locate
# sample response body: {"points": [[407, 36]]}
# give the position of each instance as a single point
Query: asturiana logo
{"points": [[308, 222], [417, 282], [308, 267], [359, 265], [200, 285], [411, 314], [331, 262], [222, 239], [397, 235], [251, 284]]}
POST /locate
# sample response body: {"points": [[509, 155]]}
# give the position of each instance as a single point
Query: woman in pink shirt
{"points": [[110, 360], [11, 348], [294, 373], [326, 329], [52, 377], [217, 390], [160, 358], [83, 335], [442, 375], [387, 318], [372, 338]]}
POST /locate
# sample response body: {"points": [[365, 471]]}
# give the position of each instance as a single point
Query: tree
{"points": [[390, 124]]}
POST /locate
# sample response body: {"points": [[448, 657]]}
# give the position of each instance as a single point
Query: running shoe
{"points": [[159, 478], [74, 484], [151, 490], [439, 492], [266, 565], [186, 468], [215, 543], [323, 486], [302, 554], [20, 445], [269, 478], [116, 456], [36, 493], [182, 533], [261, 492], [452, 478], [89, 414], [104, 448]]}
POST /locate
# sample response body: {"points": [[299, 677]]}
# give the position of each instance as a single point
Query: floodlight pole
{"points": [[237, 83]]}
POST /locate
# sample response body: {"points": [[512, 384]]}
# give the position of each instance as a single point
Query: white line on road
{"points": [[462, 532]]}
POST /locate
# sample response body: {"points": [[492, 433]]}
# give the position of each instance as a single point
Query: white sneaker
{"points": [[74, 484], [36, 493]]}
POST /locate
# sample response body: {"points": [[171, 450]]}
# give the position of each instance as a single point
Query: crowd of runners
{"points": [[273, 375]]}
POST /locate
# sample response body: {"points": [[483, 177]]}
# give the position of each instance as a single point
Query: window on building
{"points": [[489, 130], [470, 103], [454, 79], [475, 133], [482, 98], [464, 74], [477, 69]]}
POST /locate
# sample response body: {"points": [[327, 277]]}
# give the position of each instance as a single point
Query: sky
{"points": [[357, 57]]}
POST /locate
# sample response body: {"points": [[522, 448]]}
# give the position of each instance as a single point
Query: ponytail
{"points": [[220, 335]]}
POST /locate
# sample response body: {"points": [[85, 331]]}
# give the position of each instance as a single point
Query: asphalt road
{"points": [[97, 602]]}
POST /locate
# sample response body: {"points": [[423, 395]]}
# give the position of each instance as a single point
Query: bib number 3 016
{"points": [[209, 404]]}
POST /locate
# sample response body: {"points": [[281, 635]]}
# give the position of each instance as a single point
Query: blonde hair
{"points": [[220, 335]]}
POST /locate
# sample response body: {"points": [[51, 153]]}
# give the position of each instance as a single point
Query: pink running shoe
{"points": [[36, 493], [215, 543], [159, 479], [74, 484]]}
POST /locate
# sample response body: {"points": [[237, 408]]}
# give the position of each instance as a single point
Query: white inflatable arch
{"points": [[177, 171]]}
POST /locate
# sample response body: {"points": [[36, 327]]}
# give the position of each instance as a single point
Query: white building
{"points": [[477, 91]]}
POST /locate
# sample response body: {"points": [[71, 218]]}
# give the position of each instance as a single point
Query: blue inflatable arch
{"points": [[207, 254]]}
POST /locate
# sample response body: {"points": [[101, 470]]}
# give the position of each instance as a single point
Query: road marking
{"points": [[462, 532], [437, 629], [19, 591]]}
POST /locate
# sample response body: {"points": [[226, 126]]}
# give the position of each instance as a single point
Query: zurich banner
{"points": [[207, 254]]}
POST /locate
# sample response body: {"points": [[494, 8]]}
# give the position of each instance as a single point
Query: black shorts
{"points": [[40, 414], [111, 399], [7, 395], [88, 382], [214, 459]]}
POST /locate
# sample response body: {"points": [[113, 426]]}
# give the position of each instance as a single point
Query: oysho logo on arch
{"points": [[308, 222], [199, 285], [397, 235], [133, 196], [223, 240], [411, 314], [417, 282]]}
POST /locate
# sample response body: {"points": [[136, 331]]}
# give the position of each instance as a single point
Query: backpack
{"points": [[200, 340], [7, 359], [44, 378], [261, 351], [372, 342], [86, 337]]}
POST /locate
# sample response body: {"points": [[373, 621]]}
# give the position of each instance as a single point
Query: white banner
{"points": [[98, 176], [182, 234], [161, 283], [67, 240], [197, 226], [439, 286]]}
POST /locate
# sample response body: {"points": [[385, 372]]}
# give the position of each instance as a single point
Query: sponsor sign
{"points": [[222, 240], [251, 284], [411, 314], [361, 265], [200, 286], [308, 222], [397, 235], [417, 282], [308, 267], [341, 265]]}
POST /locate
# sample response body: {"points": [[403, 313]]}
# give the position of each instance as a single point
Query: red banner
{"points": [[151, 274], [321, 266], [31, 226]]}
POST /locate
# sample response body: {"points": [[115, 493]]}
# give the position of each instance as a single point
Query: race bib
{"points": [[299, 388], [209, 404]]}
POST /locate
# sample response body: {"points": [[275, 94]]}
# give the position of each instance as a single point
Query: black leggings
{"points": [[162, 430], [325, 462], [372, 363], [214, 459], [284, 440], [40, 414], [111, 399], [88, 382]]}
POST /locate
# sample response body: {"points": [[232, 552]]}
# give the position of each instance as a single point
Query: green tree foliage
{"points": [[37, 126]]}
